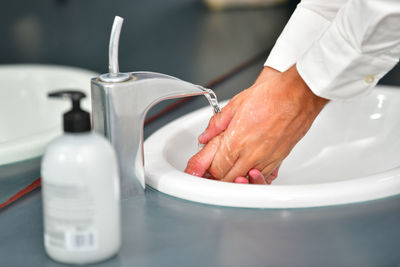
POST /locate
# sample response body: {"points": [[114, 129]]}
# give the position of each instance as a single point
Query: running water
{"points": [[212, 99]]}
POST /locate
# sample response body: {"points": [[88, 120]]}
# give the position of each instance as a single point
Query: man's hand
{"points": [[258, 128]]}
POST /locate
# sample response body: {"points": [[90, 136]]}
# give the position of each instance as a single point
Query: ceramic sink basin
{"points": [[351, 154], [29, 120]]}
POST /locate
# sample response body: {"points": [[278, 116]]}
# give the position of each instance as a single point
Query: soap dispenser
{"points": [[81, 193]]}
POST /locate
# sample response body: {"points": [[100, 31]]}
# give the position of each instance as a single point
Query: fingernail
{"points": [[255, 173], [241, 180]]}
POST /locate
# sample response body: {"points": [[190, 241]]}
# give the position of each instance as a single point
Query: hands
{"points": [[257, 129]]}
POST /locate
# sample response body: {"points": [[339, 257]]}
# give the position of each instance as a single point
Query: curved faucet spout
{"points": [[119, 110]]}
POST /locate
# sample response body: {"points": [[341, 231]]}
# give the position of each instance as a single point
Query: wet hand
{"points": [[258, 128]]}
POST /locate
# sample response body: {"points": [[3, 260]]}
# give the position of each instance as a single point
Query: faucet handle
{"points": [[114, 76]]}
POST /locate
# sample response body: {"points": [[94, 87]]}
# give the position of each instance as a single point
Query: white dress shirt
{"points": [[341, 48]]}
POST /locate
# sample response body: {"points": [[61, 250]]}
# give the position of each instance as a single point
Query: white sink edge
{"points": [[165, 178], [180, 185]]}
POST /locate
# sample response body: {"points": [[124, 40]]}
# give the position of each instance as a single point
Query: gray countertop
{"points": [[182, 38], [159, 230]]}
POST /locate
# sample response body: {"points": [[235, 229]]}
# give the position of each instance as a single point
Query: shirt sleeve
{"points": [[306, 25], [357, 49]]}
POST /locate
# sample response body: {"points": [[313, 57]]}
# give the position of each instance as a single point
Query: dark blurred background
{"points": [[177, 37]]}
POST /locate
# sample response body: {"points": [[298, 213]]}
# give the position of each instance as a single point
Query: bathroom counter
{"points": [[162, 231], [185, 40]]}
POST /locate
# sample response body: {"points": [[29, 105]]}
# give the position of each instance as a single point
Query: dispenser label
{"points": [[69, 213], [81, 240]]}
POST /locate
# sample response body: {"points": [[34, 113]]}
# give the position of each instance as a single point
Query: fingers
{"points": [[217, 124], [273, 175], [240, 168], [199, 163], [270, 172], [256, 177], [241, 180]]}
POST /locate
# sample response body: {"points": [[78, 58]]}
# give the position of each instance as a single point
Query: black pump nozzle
{"points": [[76, 120]]}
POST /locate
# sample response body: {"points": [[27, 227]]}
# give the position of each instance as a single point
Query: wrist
{"points": [[266, 74], [297, 81]]}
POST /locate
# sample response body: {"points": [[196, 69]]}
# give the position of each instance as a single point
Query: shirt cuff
{"points": [[304, 28], [336, 70]]}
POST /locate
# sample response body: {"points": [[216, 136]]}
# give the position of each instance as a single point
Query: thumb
{"points": [[199, 163]]}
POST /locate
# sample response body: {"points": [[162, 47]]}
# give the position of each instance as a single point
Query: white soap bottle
{"points": [[81, 193]]}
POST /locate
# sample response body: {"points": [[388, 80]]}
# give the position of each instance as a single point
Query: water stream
{"points": [[212, 99]]}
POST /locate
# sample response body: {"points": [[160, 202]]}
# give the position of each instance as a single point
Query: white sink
{"points": [[28, 119], [351, 154]]}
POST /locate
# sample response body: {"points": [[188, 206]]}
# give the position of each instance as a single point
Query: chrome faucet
{"points": [[120, 102]]}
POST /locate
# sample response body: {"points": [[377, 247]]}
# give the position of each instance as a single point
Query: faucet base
{"points": [[119, 111]]}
